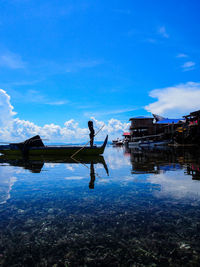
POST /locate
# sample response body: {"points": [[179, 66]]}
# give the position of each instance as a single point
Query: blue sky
{"points": [[62, 60]]}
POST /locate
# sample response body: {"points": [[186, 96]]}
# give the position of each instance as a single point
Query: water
{"points": [[130, 208]]}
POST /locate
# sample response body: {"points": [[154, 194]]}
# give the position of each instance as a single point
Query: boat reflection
{"points": [[161, 160], [35, 164]]}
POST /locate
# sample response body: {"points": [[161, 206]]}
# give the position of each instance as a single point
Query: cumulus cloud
{"points": [[16, 129], [114, 128], [6, 109], [175, 101]]}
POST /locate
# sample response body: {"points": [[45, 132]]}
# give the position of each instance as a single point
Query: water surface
{"points": [[130, 208]]}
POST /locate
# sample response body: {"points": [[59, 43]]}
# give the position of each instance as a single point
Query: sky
{"points": [[65, 62]]}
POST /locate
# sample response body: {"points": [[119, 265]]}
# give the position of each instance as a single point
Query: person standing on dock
{"points": [[92, 132]]}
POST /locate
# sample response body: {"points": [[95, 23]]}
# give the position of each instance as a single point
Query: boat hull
{"points": [[57, 150], [54, 151]]}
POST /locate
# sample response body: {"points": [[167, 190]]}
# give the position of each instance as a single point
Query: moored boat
{"points": [[35, 147], [117, 142], [149, 141]]}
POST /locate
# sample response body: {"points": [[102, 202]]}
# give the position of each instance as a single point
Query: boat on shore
{"points": [[35, 147]]}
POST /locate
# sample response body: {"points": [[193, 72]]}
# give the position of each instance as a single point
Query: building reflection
{"points": [[194, 171], [161, 160]]}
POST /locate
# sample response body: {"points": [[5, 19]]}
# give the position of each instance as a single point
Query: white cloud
{"points": [[162, 31], [176, 101], [57, 103], [12, 61], [16, 129], [35, 96], [181, 55], [188, 65], [6, 109], [110, 112], [114, 128]]}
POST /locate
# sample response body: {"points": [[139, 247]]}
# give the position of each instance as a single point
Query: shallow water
{"points": [[132, 208]]}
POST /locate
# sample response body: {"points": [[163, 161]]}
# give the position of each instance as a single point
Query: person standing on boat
{"points": [[92, 132]]}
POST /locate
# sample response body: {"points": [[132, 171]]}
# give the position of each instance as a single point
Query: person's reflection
{"points": [[92, 172], [92, 175], [36, 165]]}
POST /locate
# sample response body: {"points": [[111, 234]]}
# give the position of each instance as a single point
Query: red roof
{"points": [[125, 134]]}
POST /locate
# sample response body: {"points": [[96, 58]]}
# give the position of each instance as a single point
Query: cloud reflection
{"points": [[7, 180], [175, 184]]}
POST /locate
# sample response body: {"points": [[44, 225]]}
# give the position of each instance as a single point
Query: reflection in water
{"points": [[6, 184], [194, 170], [92, 175], [161, 163], [36, 164], [146, 213], [160, 160]]}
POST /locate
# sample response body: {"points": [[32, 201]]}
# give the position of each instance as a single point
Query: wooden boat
{"points": [[35, 147]]}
